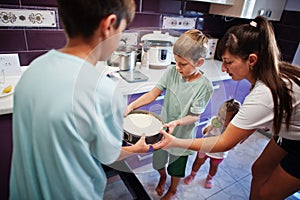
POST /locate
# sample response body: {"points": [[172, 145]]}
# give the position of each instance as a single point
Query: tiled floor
{"points": [[232, 180]]}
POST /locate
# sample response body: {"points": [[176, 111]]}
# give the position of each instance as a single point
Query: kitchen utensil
{"points": [[124, 58], [139, 122], [145, 57]]}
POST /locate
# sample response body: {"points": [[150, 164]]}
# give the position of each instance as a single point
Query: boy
{"points": [[68, 117], [187, 94]]}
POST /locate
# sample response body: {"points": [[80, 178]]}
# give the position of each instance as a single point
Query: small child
{"points": [[188, 91], [214, 128]]}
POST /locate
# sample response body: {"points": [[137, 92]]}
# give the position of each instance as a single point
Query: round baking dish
{"points": [[142, 122]]}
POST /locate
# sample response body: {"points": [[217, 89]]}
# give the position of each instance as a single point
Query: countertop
{"points": [[211, 69]]}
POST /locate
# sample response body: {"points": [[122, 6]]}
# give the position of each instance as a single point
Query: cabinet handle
{"points": [[216, 87], [160, 97], [200, 123]]}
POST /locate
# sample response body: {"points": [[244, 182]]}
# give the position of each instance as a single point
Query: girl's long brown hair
{"points": [[278, 76]]}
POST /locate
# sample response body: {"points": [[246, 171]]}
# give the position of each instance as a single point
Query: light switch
{"points": [[10, 64]]}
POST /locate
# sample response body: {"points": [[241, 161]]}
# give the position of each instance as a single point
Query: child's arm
{"points": [[143, 100], [207, 129], [189, 119]]}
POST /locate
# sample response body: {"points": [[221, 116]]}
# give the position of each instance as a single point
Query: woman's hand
{"points": [[166, 142]]}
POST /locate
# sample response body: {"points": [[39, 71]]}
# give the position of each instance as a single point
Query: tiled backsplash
{"points": [[32, 42]]}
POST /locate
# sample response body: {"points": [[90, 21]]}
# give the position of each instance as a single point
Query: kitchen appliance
{"points": [[139, 122], [212, 45], [123, 57], [159, 49], [133, 76]]}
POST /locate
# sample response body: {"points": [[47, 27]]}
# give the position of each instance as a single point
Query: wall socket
{"points": [[179, 23], [129, 38], [10, 64]]}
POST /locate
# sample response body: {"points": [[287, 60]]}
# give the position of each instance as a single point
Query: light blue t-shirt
{"points": [[67, 120], [181, 99]]}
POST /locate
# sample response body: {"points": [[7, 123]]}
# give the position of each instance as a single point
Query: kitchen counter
{"points": [[211, 69], [6, 102]]}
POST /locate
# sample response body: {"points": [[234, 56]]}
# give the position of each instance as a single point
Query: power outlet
{"points": [[179, 23], [10, 64], [129, 38]]}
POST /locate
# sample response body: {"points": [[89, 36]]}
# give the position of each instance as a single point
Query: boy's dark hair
{"points": [[82, 17]]}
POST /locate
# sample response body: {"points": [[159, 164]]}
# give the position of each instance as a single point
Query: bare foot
{"points": [[169, 195], [160, 188]]}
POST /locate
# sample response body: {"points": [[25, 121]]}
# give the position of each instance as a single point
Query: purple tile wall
{"points": [[30, 43], [39, 2], [12, 40], [6, 150], [10, 2], [146, 19], [287, 32], [28, 56], [45, 39]]}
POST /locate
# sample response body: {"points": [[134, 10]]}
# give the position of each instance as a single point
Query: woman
{"points": [[250, 52]]}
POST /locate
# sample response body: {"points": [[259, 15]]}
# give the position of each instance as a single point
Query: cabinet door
{"points": [[6, 153], [155, 106], [223, 90], [242, 90]]}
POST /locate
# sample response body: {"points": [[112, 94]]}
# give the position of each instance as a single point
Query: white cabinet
{"points": [[250, 9], [224, 2]]}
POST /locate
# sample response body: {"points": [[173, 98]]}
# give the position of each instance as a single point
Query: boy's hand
{"points": [[141, 146], [128, 110], [171, 126]]}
